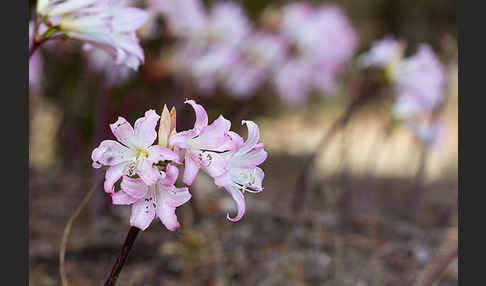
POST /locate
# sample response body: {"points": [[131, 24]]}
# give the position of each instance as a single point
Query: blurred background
{"points": [[379, 205]]}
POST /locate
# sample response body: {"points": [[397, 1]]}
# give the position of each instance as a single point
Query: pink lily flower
{"points": [[160, 199], [108, 24], [383, 53], [202, 144], [419, 83], [243, 175], [134, 155]]}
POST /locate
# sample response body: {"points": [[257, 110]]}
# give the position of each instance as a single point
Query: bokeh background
{"points": [[354, 226]]}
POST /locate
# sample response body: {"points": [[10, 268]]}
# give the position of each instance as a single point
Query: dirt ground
{"points": [[338, 238]]}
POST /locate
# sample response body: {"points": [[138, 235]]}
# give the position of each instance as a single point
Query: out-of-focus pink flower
{"points": [[202, 144], [243, 175], [431, 134], [102, 62], [107, 24], [160, 199], [419, 83], [35, 64], [134, 155], [185, 18], [293, 81], [259, 55], [382, 53], [208, 40], [321, 42]]}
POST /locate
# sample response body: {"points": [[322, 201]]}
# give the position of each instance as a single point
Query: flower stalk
{"points": [[120, 261]]}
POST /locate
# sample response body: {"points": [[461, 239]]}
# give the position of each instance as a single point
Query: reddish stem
{"points": [[120, 261]]}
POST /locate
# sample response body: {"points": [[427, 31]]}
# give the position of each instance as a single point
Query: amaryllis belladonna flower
{"points": [[419, 83], [107, 24], [134, 154], [202, 144], [160, 199], [243, 175]]}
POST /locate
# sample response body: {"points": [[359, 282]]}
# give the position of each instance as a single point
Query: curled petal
{"points": [[253, 136], [122, 198], [239, 200], [171, 174], [145, 128], [123, 131], [201, 115], [158, 153], [257, 184], [110, 153], [143, 211], [113, 174], [148, 173], [135, 188], [191, 167]]}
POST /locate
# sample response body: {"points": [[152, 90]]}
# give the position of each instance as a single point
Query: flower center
{"points": [[141, 152]]}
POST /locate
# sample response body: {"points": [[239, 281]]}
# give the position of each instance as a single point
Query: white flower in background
{"points": [[107, 24]]}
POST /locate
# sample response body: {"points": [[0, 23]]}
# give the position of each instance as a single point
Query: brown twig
{"points": [[120, 261], [67, 229]]}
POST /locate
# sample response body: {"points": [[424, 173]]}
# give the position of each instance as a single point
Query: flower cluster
{"points": [[305, 49], [418, 85], [143, 174], [107, 24]]}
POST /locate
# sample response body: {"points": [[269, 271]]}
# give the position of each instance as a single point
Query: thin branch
{"points": [[67, 229]]}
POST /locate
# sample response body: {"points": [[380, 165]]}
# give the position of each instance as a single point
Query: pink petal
{"points": [[110, 153], [250, 159], [223, 180], [215, 137], [123, 131], [113, 174], [130, 19], [181, 139], [148, 173], [259, 175], [191, 168], [171, 174], [253, 136], [214, 164], [158, 153], [168, 217], [145, 128], [239, 200], [135, 188], [237, 139], [167, 200], [143, 211], [201, 115], [122, 198], [172, 196]]}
